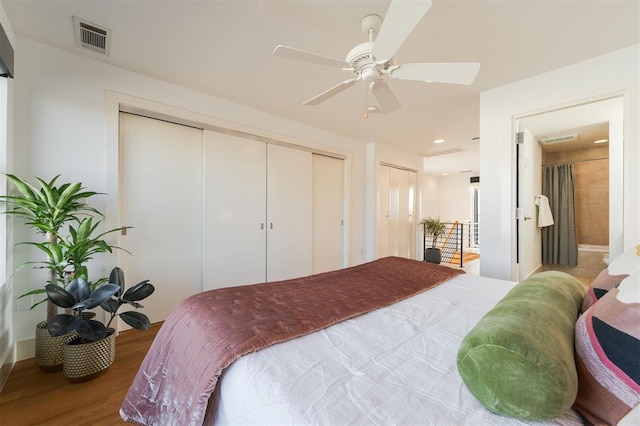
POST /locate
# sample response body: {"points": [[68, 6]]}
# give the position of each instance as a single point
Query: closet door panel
{"points": [[289, 183], [161, 198], [235, 211], [405, 213], [382, 240], [396, 181], [328, 211]]}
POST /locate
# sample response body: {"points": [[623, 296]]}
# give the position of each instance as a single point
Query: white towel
{"points": [[545, 218]]}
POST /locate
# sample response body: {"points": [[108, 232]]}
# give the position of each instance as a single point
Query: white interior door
{"points": [[396, 184], [382, 240], [235, 211], [396, 224], [530, 185], [327, 216], [161, 198], [289, 221]]}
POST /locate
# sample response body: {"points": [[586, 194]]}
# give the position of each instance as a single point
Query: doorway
{"points": [[568, 136]]}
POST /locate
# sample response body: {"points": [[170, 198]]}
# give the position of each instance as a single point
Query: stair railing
{"points": [[459, 238]]}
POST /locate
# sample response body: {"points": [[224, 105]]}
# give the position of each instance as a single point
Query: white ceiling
{"points": [[224, 48], [589, 122]]}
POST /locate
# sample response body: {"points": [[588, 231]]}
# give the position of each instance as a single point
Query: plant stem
{"points": [[52, 309]]}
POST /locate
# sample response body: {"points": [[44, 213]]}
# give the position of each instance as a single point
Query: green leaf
{"points": [[110, 305], [136, 320], [98, 296], [139, 291], [79, 289], [92, 330], [117, 277], [59, 296], [63, 324], [38, 303], [32, 292]]}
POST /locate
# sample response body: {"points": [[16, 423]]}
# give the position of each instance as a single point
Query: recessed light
{"points": [[601, 141], [439, 141], [445, 174]]}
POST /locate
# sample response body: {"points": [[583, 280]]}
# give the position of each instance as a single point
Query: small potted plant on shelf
{"points": [[433, 228], [92, 351]]}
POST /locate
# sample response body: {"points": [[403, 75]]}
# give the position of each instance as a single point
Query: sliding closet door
{"points": [[328, 210], [161, 197], [406, 227], [235, 211], [289, 219], [396, 216], [382, 239]]}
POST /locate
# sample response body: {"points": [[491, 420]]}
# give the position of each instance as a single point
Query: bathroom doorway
{"points": [[586, 141]]}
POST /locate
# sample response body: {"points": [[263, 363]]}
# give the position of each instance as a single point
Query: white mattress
{"points": [[392, 366]]}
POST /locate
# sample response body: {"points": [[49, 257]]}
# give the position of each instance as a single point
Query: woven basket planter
{"points": [[49, 350], [86, 361]]}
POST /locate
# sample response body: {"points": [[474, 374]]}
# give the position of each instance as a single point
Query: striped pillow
{"points": [[607, 348], [599, 287]]}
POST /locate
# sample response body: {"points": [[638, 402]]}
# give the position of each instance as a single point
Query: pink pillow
{"points": [[599, 287], [607, 346]]}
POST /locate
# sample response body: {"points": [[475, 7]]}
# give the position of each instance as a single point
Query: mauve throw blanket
{"points": [[205, 333]]}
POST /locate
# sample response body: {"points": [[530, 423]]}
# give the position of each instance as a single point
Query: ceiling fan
{"points": [[373, 60]]}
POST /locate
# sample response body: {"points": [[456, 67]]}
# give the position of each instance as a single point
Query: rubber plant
{"points": [[47, 209], [79, 297]]}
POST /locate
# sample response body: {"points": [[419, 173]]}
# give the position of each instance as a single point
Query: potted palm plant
{"points": [[48, 209], [92, 351], [53, 211], [433, 228]]}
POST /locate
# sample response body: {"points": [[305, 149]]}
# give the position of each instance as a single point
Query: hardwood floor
{"points": [[31, 397]]}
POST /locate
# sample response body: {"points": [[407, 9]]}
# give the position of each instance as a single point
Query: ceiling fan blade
{"points": [[401, 18], [331, 92], [301, 55], [387, 100], [453, 73]]}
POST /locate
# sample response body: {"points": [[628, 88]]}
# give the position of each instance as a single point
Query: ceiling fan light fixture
{"points": [[373, 61]]}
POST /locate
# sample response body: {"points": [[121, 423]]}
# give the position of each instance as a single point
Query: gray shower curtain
{"points": [[559, 241]]}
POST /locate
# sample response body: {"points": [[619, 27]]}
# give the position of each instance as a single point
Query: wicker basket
{"points": [[86, 361], [49, 350]]}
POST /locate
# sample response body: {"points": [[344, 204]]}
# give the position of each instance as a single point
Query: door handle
{"points": [[527, 218]]}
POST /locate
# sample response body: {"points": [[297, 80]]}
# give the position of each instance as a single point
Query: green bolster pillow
{"points": [[518, 360]]}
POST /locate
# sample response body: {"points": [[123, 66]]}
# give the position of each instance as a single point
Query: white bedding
{"points": [[392, 366]]}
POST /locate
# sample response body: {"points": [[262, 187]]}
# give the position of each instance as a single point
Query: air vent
{"points": [[560, 139], [92, 36], [444, 152]]}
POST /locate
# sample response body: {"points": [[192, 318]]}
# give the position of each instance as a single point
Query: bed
{"points": [[390, 362]]}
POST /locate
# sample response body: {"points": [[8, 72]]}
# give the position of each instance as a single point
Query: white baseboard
{"points": [[8, 359]]}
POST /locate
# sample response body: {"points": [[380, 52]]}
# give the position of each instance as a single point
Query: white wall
{"points": [[456, 198], [616, 72], [62, 126], [430, 195]]}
